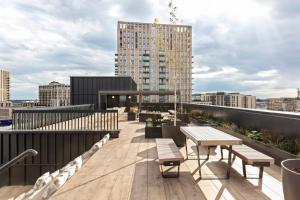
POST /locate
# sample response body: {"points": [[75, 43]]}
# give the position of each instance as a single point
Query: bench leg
{"points": [[244, 170], [208, 152], [186, 148], [170, 175], [261, 172], [199, 165], [221, 149], [229, 161]]}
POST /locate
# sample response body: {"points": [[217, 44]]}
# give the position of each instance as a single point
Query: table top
{"points": [[208, 136]]}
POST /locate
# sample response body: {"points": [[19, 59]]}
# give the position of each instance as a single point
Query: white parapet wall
{"points": [[49, 183]]}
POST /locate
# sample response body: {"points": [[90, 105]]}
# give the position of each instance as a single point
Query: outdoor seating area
{"points": [[130, 167]]}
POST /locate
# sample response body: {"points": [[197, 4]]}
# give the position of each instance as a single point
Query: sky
{"points": [[248, 46]]}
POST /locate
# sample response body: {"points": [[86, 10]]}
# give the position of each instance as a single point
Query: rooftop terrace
{"points": [[126, 168]]}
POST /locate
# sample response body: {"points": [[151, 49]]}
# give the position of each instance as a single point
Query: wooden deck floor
{"points": [[7, 192], [126, 168]]}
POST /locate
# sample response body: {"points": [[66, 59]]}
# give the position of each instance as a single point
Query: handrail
{"points": [[16, 159]]}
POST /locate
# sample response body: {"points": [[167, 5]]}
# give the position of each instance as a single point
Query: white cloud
{"points": [[267, 73], [223, 72]]}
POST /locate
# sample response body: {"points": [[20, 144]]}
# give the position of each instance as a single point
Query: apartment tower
{"points": [[54, 94], [157, 56], [4, 86]]}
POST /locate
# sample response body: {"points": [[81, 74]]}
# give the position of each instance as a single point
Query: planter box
{"points": [[131, 116], [171, 131], [290, 179], [153, 132], [278, 154]]}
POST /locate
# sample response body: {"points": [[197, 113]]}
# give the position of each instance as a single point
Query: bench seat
{"points": [[250, 156], [168, 155]]}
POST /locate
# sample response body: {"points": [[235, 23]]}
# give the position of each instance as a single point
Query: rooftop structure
{"points": [[85, 90]]}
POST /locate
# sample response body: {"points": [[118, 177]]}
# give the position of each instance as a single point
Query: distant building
{"points": [[235, 100], [225, 99], [55, 94], [284, 104], [4, 88], [149, 53], [250, 101], [262, 104]]}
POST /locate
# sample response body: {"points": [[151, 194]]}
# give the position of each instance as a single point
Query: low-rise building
{"points": [[226, 99], [284, 104]]}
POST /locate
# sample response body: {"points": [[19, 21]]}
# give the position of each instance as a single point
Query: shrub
{"points": [[287, 144], [254, 135], [149, 122]]}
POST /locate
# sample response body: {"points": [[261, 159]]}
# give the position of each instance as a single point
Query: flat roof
{"points": [[135, 92]]}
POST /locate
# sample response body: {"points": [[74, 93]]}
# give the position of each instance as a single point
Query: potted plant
{"points": [[153, 129], [132, 114], [290, 170]]}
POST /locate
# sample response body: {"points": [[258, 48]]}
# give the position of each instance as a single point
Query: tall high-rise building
{"points": [[157, 57], [4, 86], [55, 94]]}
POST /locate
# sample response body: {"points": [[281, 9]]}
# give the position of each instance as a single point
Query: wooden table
{"points": [[208, 136]]}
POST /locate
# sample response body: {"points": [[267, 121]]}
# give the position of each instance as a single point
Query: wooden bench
{"points": [[168, 155], [250, 156]]}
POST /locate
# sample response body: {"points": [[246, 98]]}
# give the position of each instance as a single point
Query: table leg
{"points": [[186, 148], [199, 166], [229, 161]]}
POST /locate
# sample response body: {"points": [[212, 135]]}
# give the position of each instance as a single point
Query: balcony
{"points": [[127, 167]]}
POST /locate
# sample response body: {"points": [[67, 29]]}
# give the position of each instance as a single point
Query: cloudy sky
{"points": [[251, 46]]}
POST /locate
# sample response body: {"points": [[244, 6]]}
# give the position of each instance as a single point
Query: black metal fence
{"points": [[55, 149], [47, 119], [285, 124]]}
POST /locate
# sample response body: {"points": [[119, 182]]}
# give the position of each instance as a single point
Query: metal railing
{"points": [[65, 120], [15, 160]]}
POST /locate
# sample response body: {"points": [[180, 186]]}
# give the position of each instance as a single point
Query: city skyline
{"points": [[250, 47]]}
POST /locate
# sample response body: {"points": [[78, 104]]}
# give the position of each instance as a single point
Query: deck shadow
{"points": [[236, 181], [92, 180], [148, 184]]}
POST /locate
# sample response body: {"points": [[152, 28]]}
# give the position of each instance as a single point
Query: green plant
{"points": [[266, 136], [149, 122], [287, 144], [254, 135]]}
